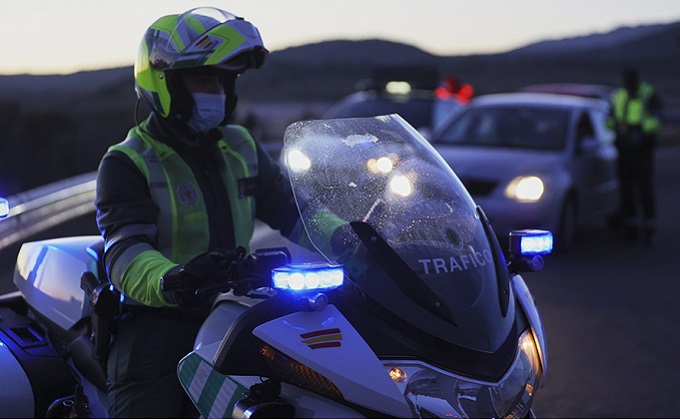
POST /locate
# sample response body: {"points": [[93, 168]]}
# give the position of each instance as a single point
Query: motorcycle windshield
{"points": [[375, 196]]}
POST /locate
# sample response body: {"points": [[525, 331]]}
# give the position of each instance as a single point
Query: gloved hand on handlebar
{"points": [[196, 283]]}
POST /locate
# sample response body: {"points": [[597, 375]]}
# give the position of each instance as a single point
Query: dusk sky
{"points": [[66, 36]]}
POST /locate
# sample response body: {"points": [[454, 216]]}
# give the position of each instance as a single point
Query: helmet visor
{"points": [[204, 36]]}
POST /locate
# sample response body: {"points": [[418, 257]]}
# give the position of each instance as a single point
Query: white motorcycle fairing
{"points": [[48, 276], [327, 343], [16, 395], [324, 341]]}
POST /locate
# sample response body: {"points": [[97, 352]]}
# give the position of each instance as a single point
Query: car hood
{"points": [[498, 163]]}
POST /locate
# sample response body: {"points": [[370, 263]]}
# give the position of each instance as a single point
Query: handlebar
{"points": [[254, 271], [243, 275]]}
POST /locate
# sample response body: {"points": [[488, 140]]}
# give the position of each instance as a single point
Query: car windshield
{"points": [[522, 127]]}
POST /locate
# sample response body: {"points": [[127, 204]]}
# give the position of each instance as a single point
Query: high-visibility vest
{"points": [[183, 230], [634, 111]]}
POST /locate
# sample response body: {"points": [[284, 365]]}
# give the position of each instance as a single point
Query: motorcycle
{"points": [[412, 308]]}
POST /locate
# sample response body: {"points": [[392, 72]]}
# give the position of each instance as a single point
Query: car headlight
{"points": [[525, 188], [432, 392]]}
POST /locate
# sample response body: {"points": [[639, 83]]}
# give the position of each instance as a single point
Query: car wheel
{"points": [[566, 234]]}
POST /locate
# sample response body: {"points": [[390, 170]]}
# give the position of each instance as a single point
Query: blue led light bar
{"points": [[536, 243], [4, 208], [308, 277]]}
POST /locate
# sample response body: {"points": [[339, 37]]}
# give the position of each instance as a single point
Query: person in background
{"points": [[635, 109], [178, 197]]}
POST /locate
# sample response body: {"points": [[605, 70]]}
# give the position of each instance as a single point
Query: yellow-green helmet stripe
{"points": [[167, 24], [152, 81], [231, 40], [195, 24]]}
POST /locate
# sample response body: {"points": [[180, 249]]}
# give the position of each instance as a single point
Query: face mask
{"points": [[208, 111]]}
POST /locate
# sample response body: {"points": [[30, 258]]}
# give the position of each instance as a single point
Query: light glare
{"points": [[398, 375], [298, 161], [527, 188], [536, 244], [398, 88], [307, 277], [296, 281], [312, 281], [401, 185], [382, 165]]}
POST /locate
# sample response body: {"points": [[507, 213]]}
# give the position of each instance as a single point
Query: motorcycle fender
{"points": [[526, 300], [326, 342]]}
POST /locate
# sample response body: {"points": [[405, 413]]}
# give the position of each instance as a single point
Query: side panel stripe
{"points": [[198, 382], [213, 393]]}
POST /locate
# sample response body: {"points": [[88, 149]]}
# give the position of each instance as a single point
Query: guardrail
{"points": [[45, 207]]}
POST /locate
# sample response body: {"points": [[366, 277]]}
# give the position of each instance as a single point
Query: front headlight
{"points": [[525, 188], [432, 392]]}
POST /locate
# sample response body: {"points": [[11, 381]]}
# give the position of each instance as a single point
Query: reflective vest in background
{"points": [[183, 230], [635, 111]]}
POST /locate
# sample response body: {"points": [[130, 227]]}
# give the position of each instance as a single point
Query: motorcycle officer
{"points": [[177, 197]]}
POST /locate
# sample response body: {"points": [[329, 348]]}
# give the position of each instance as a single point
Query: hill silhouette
{"points": [[56, 126]]}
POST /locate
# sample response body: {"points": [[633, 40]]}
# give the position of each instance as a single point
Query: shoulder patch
{"points": [[187, 195]]}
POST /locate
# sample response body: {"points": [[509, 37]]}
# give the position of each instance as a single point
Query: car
{"points": [[413, 93], [603, 92], [534, 160]]}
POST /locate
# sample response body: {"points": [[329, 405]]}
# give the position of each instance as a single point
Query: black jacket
{"points": [[123, 196]]}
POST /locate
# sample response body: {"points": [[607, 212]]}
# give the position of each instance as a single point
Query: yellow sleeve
{"points": [[142, 279]]}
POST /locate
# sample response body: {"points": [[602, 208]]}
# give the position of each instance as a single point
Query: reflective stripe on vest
{"points": [[633, 111], [183, 230]]}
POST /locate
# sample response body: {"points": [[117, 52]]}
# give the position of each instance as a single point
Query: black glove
{"points": [[196, 283], [212, 267], [255, 271]]}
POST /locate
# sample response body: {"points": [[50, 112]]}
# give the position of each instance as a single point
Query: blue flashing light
{"points": [[4, 207], [308, 277], [536, 243]]}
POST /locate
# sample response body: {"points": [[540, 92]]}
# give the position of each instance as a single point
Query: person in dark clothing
{"points": [[634, 116], [177, 197]]}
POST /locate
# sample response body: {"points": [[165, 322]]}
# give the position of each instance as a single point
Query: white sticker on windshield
{"points": [[355, 139], [453, 263]]}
